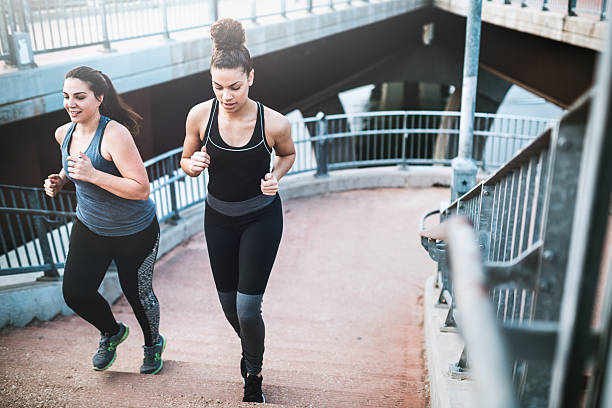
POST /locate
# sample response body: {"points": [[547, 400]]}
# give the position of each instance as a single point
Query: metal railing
{"points": [[333, 142], [522, 218], [36, 229], [539, 225], [54, 25], [323, 144], [599, 8]]}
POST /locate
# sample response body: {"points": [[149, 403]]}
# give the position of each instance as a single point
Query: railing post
{"points": [[604, 10], [41, 228], [20, 44], [164, 4], [571, 7], [41, 233], [464, 169], [321, 145], [404, 143], [105, 37], [284, 8], [254, 11], [174, 205], [213, 11], [309, 6], [545, 5]]}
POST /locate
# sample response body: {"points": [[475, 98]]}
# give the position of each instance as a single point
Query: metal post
{"points": [[41, 228], [105, 38], [173, 203], [604, 10], [41, 233], [213, 11], [309, 6], [19, 43], [254, 11], [284, 8], [545, 5], [164, 4], [321, 145], [464, 168], [571, 7]]}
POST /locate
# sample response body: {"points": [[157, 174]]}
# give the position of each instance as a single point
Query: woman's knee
{"points": [[248, 308], [74, 295]]}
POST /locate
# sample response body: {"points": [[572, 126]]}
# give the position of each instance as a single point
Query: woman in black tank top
{"points": [[233, 137]]}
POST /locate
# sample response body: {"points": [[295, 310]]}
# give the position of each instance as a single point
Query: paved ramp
{"points": [[343, 314]]}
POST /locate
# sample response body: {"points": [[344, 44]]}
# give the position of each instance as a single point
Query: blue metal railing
{"points": [[36, 228], [54, 25]]}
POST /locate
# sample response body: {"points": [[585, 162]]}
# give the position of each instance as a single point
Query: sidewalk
{"points": [[343, 312]]}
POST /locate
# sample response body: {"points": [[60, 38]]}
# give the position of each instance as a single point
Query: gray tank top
{"points": [[100, 210]]}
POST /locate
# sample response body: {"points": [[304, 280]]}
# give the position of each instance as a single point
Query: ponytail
{"points": [[113, 104]]}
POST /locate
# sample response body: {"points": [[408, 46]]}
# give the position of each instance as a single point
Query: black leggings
{"points": [[242, 250], [89, 256]]}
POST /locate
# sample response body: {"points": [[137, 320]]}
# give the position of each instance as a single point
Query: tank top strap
{"points": [[96, 143], [211, 118], [66, 141], [260, 112]]}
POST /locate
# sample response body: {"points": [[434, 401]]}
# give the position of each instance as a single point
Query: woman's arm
{"points": [[279, 128], [194, 158], [119, 144], [55, 182]]}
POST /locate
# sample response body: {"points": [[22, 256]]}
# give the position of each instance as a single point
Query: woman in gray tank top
{"points": [[116, 219]]}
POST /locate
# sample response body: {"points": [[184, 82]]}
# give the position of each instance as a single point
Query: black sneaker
{"points": [[252, 389], [152, 362], [107, 353], [243, 369]]}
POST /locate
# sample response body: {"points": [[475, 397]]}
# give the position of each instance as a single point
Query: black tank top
{"points": [[235, 173]]}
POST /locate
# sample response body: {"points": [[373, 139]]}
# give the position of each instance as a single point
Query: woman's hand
{"points": [[80, 168], [53, 184], [269, 184], [199, 161]]}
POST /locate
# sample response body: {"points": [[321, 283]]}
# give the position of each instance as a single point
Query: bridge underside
{"points": [[303, 76]]}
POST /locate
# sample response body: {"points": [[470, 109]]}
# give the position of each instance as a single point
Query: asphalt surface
{"points": [[343, 313]]}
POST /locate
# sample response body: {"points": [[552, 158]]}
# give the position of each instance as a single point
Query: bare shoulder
{"points": [[116, 132], [200, 112], [61, 132], [276, 123]]}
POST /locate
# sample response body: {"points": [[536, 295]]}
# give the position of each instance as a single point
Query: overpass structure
{"points": [[150, 42]]}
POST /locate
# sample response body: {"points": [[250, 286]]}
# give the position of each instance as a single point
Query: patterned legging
{"points": [[89, 256]]}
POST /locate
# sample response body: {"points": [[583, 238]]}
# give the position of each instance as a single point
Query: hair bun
{"points": [[227, 34]]}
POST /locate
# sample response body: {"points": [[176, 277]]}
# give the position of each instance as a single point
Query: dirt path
{"points": [[343, 313]]}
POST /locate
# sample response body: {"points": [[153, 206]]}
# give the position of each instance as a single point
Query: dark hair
{"points": [[112, 105], [228, 46]]}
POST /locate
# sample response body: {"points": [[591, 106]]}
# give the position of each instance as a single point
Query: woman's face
{"points": [[80, 101], [231, 87]]}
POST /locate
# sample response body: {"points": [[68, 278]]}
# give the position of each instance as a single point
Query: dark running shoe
{"points": [[152, 362], [252, 389], [243, 369], [107, 350]]}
